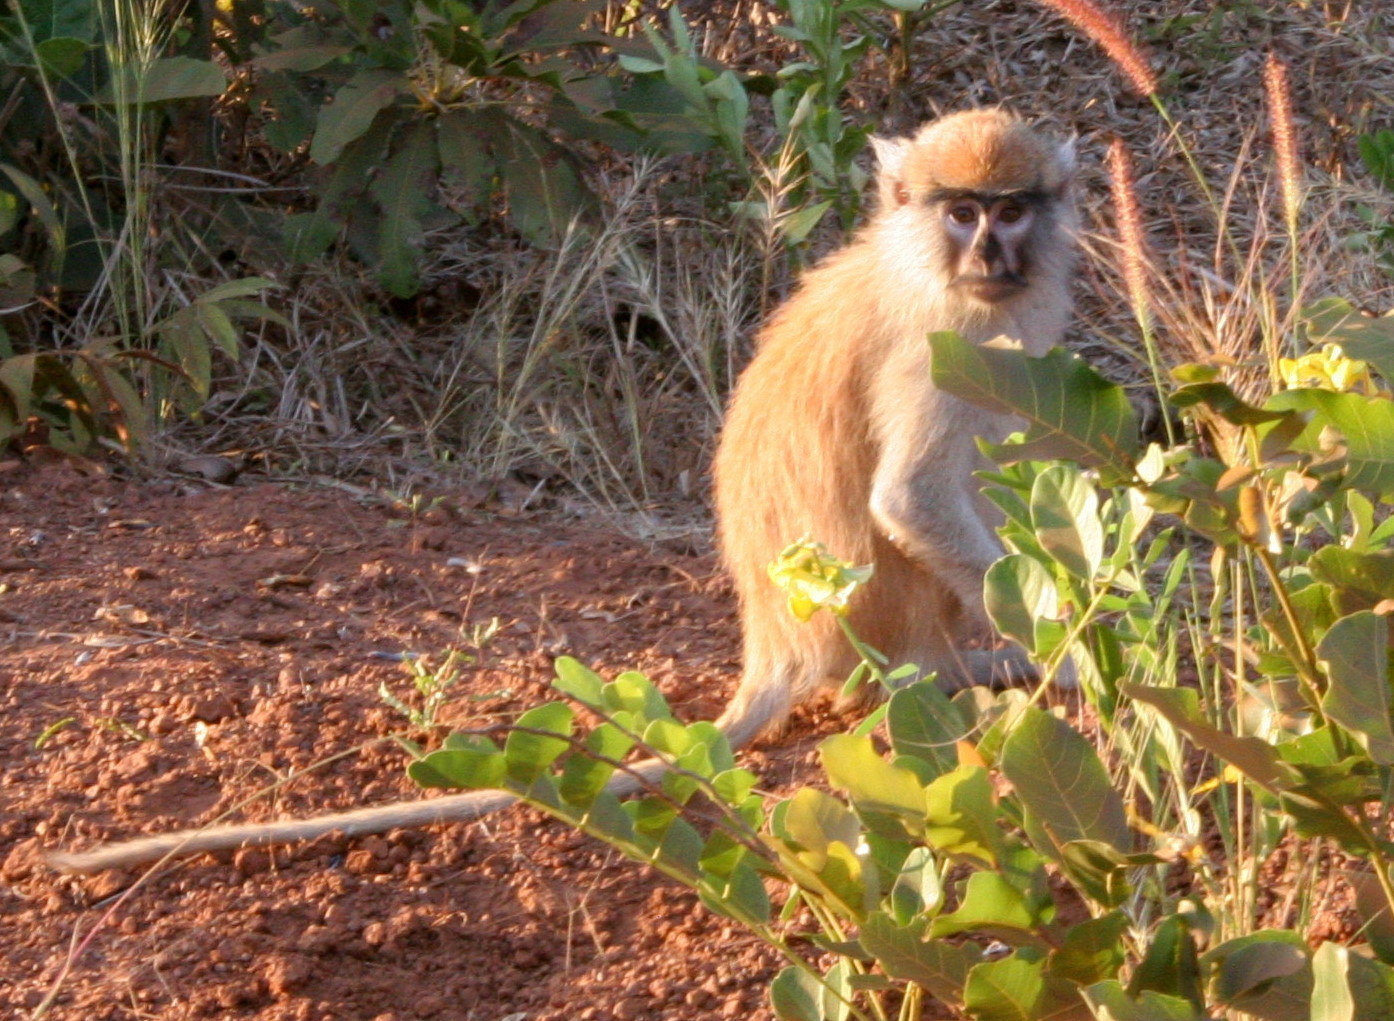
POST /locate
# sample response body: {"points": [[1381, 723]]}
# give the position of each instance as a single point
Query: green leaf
{"points": [[167, 78], [632, 692], [529, 753], [1355, 653], [1018, 591], [351, 114], [1181, 707], [404, 191], [1072, 412], [466, 762], [1223, 401], [584, 777], [1337, 321], [1171, 966], [923, 723], [875, 786], [61, 57], [1093, 950], [546, 196], [918, 888], [961, 813], [1109, 1002], [1361, 580], [1062, 784], [467, 159], [1017, 989], [1375, 914], [1331, 995], [1366, 423], [1065, 515], [904, 953], [1267, 974], [579, 681], [991, 905], [797, 995], [794, 995]]}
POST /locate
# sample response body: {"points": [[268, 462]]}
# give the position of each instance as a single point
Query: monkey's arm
{"points": [[922, 494]]}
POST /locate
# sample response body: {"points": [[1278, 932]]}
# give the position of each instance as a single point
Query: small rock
{"points": [[285, 972], [210, 708], [251, 861]]}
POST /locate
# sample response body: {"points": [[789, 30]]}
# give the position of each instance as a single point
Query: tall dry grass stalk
{"points": [[1106, 29]]}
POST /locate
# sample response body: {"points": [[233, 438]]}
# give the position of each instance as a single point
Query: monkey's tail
{"points": [[753, 709]]}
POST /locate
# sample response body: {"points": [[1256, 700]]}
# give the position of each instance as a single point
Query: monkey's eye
{"points": [[964, 214], [1010, 214]]}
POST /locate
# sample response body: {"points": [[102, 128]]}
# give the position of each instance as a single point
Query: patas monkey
{"points": [[837, 432]]}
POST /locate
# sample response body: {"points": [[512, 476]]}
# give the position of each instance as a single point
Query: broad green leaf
{"points": [[1017, 989], [1331, 995], [794, 995], [925, 724], [798, 995], [875, 786], [61, 57], [993, 906], [467, 159], [1109, 1002], [1355, 652], [1256, 759], [1377, 919], [1072, 412], [546, 196], [583, 777], [608, 819], [740, 895], [1062, 784], [1337, 321], [1366, 423], [1065, 514], [1223, 401], [1018, 591], [1371, 985], [465, 762], [167, 78], [351, 114], [404, 192], [579, 681], [905, 953], [308, 57], [814, 820], [1093, 950], [1361, 580], [1171, 966], [918, 887], [632, 692], [1267, 974], [530, 751], [961, 815]]}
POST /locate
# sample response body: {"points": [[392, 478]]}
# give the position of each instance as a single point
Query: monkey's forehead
{"points": [[984, 152]]}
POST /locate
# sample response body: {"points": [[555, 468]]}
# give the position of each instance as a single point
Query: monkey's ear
{"points": [[890, 170], [1067, 160]]}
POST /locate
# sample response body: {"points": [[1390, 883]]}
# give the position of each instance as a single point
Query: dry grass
{"points": [[601, 367]]}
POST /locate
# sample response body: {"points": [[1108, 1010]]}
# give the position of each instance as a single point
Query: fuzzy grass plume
{"points": [[1106, 29]]}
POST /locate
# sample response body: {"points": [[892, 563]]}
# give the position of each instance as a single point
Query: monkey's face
{"points": [[989, 242]]}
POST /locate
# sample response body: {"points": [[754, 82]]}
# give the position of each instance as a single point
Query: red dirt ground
{"points": [[185, 646]]}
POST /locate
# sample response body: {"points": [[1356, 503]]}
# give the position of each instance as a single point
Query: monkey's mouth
{"points": [[998, 287]]}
